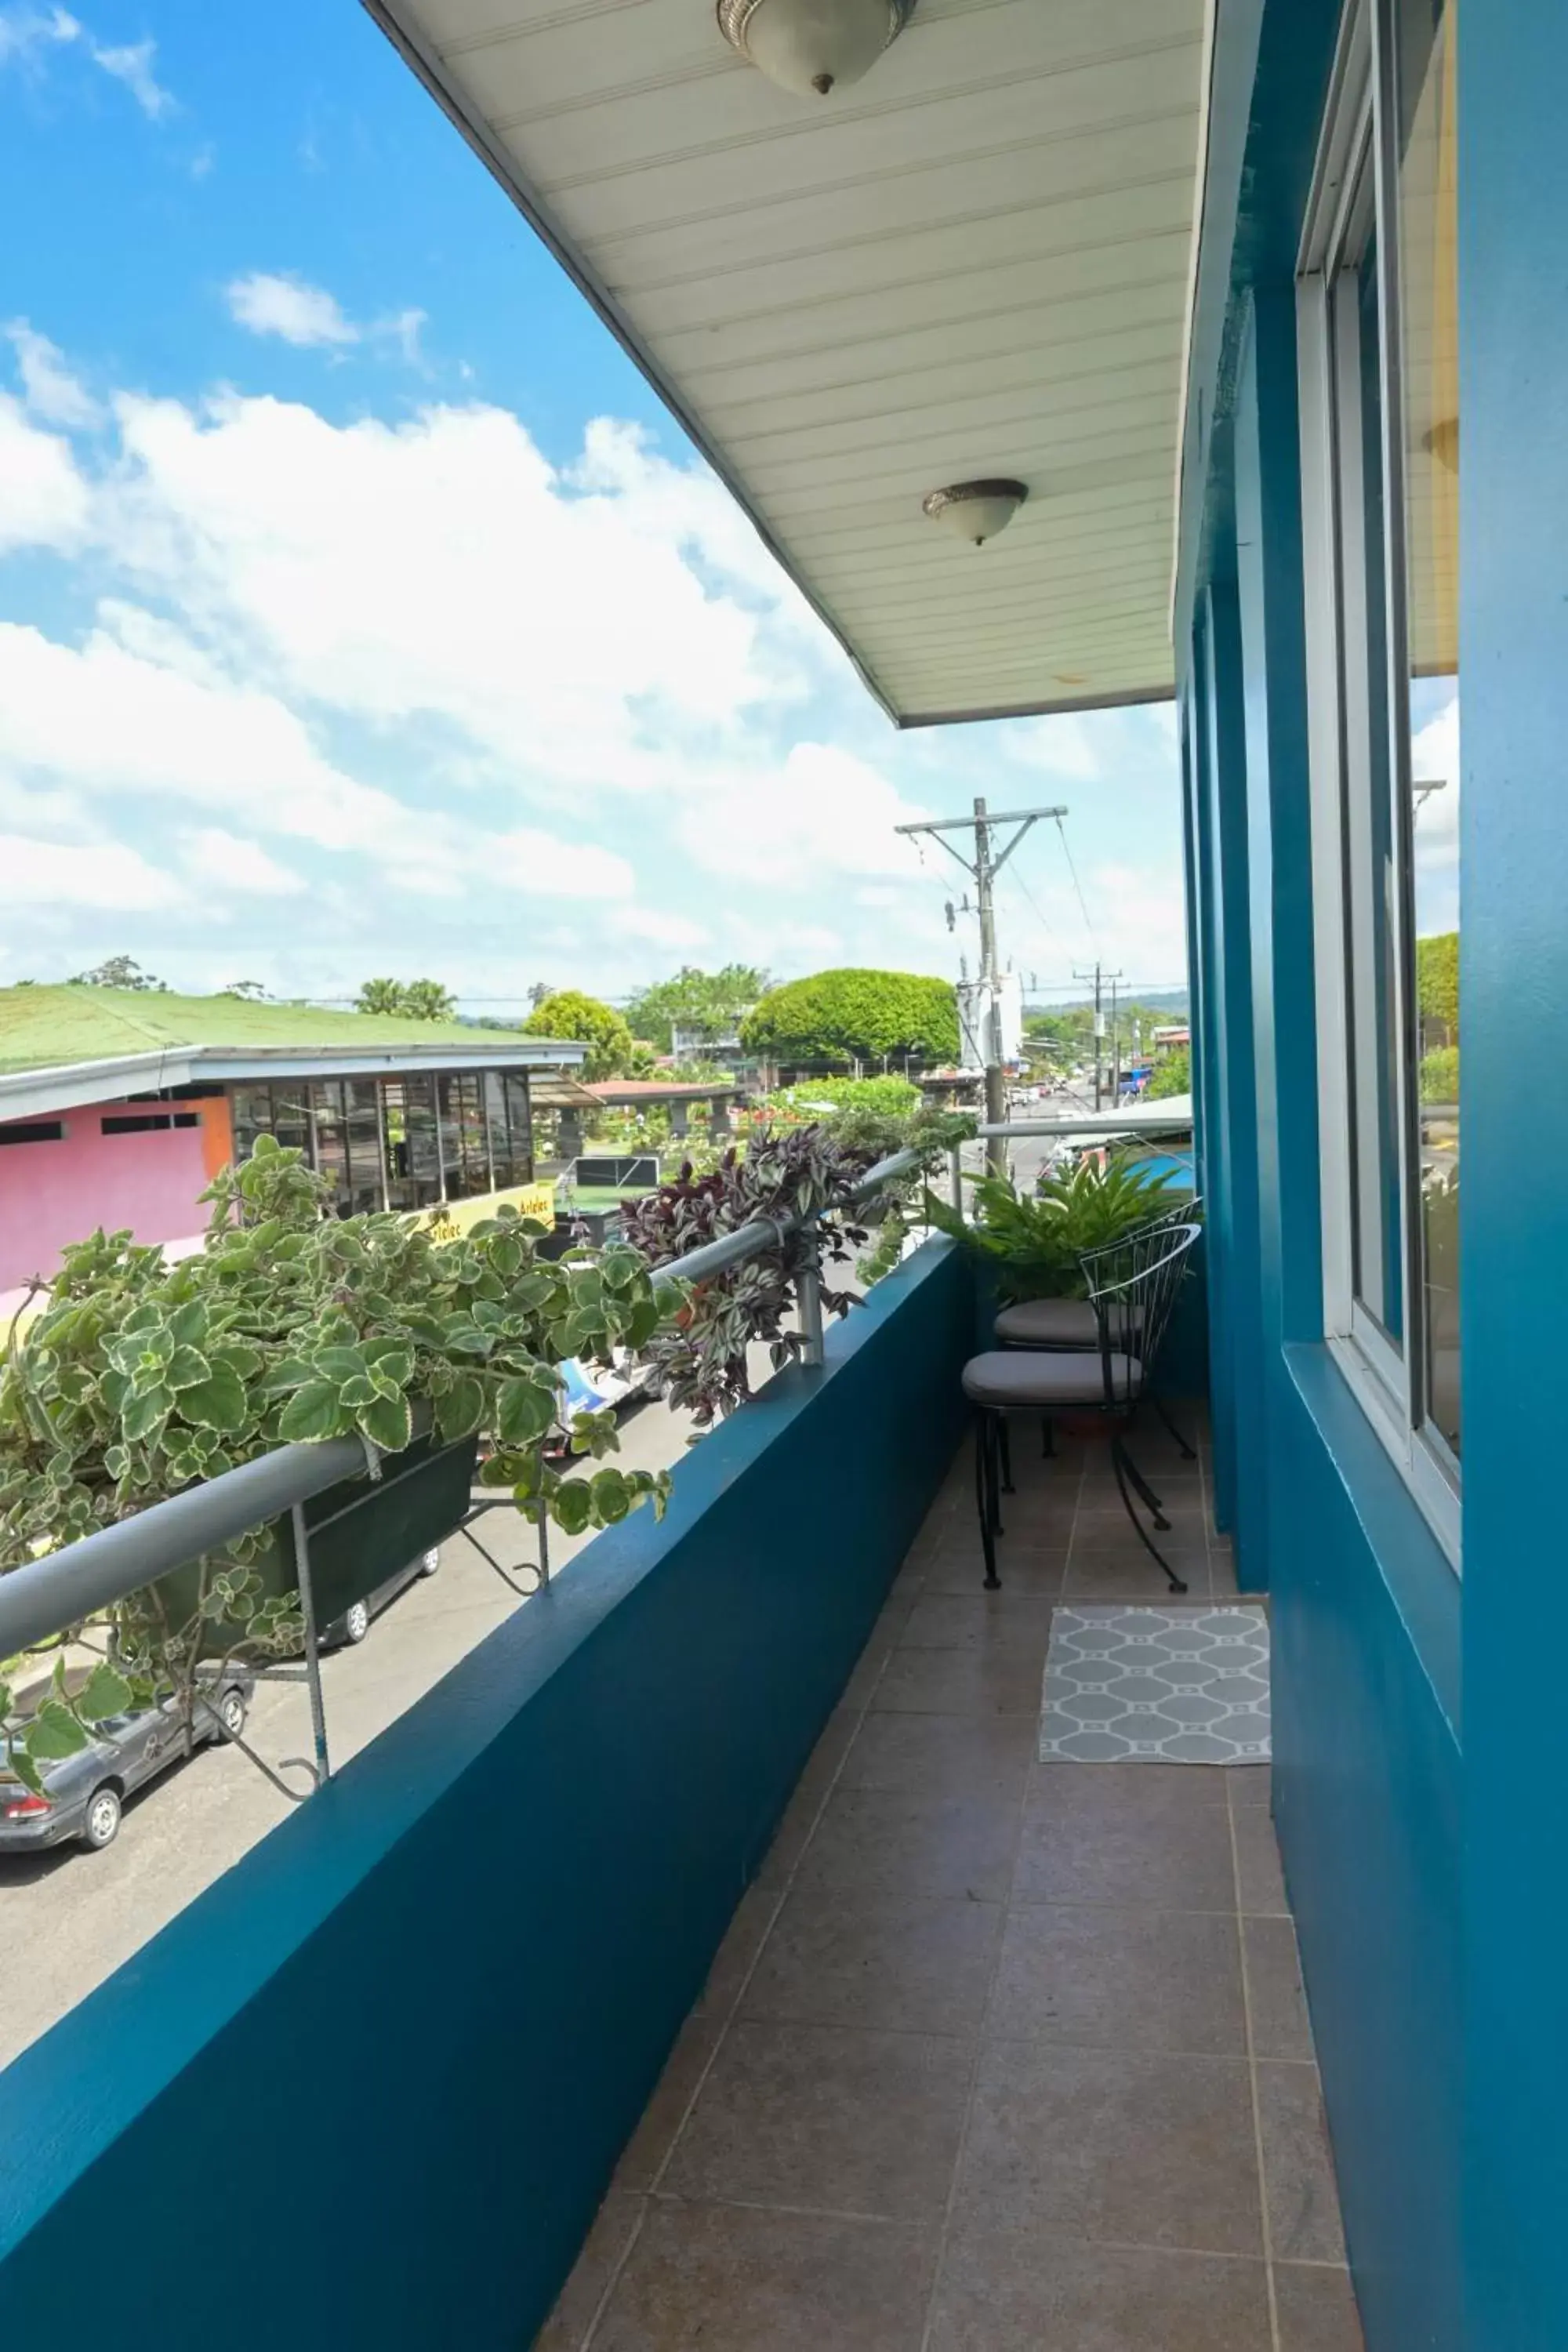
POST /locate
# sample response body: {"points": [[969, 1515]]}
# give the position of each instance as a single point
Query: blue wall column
{"points": [[1234, 1094], [1208, 1106], [1513, 992]]}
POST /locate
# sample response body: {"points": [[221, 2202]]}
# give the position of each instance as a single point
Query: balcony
{"points": [[707, 1951], [995, 2053]]}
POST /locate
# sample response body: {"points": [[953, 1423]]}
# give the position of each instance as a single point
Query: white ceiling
{"points": [[973, 262]]}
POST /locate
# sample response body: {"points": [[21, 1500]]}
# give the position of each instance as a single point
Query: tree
{"points": [[411, 1000], [570, 1014], [1174, 1075], [711, 1002], [118, 972], [251, 990], [1438, 987], [852, 1014]]}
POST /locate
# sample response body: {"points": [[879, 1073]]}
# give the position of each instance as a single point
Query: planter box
{"points": [[360, 1532]]}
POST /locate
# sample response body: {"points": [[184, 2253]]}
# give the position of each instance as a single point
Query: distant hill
{"points": [[1173, 1000]]}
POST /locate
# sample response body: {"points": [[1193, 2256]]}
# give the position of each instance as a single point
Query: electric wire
{"points": [[1077, 887]]}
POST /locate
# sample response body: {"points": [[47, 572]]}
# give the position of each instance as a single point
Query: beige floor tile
{"points": [[961, 1682], [1130, 1573], [1250, 1784], [738, 2280], [567, 2329], [848, 2122], [1259, 1875], [913, 1964], [1297, 2170], [1130, 1788], [1079, 1847], [1120, 1979], [879, 1842], [754, 1915], [645, 2153], [1057, 2294], [941, 1755], [1316, 2310], [979, 1621], [961, 1568], [1135, 2149], [1278, 2004]]}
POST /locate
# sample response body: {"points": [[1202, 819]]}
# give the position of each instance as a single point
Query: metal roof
{"points": [[976, 262]]}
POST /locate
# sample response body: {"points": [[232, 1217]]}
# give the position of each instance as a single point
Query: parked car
{"points": [[83, 1795], [355, 1621]]}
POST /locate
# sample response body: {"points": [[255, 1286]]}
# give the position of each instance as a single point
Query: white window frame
{"points": [[1387, 1379]]}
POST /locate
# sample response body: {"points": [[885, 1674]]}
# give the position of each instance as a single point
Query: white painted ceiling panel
{"points": [[974, 262]]}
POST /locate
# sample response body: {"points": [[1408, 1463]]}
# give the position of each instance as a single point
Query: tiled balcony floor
{"points": [[999, 2056]]}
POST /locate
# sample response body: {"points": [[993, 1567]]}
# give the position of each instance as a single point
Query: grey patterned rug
{"points": [[1135, 1686]]}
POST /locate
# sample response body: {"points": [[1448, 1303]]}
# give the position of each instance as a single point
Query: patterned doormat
{"points": [[1128, 1686]]}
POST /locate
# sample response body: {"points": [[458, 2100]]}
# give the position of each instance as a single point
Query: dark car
{"points": [[356, 1622], [84, 1794]]}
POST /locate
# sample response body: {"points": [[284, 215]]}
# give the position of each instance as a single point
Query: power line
{"points": [[1078, 886]]}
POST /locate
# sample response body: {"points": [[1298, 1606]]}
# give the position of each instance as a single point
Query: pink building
{"points": [[118, 1107]]}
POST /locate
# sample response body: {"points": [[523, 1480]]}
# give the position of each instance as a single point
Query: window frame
{"points": [[1358, 148]]}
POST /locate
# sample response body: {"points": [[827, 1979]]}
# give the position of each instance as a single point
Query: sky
{"points": [[362, 611]]}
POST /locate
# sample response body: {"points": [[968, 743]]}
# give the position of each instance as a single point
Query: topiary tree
{"points": [[569, 1014], [855, 1014], [1174, 1075], [707, 1001]]}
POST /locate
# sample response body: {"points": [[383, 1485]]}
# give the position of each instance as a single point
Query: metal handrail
{"points": [[64, 1587]]}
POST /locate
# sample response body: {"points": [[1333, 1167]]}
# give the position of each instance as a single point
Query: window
{"points": [[1378, 304], [144, 1122], [34, 1131]]}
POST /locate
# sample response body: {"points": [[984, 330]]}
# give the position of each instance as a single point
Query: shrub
{"points": [[569, 1014], [854, 1014]]}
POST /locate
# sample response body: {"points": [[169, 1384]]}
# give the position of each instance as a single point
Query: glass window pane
{"points": [[520, 1119], [292, 1118], [331, 1140], [1423, 64], [496, 1125], [413, 1178], [250, 1112], [1372, 927], [476, 1141], [360, 1099]]}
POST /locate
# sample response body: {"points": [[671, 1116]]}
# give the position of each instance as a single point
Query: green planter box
{"points": [[360, 1532]]}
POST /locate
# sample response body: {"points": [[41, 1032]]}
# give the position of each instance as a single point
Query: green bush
{"points": [[889, 1098], [1440, 1075], [570, 1014], [853, 1014], [1173, 1076]]}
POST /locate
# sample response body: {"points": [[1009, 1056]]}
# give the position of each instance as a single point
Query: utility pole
{"points": [[1100, 976], [982, 873]]}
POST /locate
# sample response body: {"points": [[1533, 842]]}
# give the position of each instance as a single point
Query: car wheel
{"points": [[100, 1823], [356, 1622], [431, 1560], [231, 1714]]}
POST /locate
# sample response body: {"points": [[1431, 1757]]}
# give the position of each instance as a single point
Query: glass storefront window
{"points": [[332, 1139], [362, 1104], [520, 1121]]}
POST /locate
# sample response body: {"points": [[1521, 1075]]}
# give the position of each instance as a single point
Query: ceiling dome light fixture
{"points": [[812, 47], [976, 510]]}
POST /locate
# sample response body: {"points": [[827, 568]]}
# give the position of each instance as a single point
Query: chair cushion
{"points": [[1053, 1323], [1014, 1376]]}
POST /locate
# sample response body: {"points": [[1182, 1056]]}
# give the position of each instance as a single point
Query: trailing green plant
{"points": [[699, 1359], [1036, 1240], [140, 1378]]}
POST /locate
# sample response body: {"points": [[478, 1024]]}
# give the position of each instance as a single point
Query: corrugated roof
{"points": [[51, 1028]]}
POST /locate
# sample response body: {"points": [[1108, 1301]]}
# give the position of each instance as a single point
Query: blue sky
{"points": [[361, 610]]}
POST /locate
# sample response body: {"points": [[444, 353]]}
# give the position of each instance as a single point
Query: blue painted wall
{"points": [[1513, 983], [1366, 1610], [406, 2037]]}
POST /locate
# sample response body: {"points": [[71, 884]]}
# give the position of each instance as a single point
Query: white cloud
{"points": [[49, 387], [227, 863], [303, 315], [133, 64], [822, 812], [44, 502], [27, 33], [661, 930], [1062, 746], [87, 874]]}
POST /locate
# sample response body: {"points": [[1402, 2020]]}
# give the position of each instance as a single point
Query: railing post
{"points": [[808, 1302], [313, 1645]]}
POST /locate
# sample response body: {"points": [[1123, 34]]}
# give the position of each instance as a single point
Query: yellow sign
{"points": [[455, 1218]]}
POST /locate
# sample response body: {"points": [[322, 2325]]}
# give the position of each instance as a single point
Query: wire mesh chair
{"points": [[1059, 1323], [1132, 1284]]}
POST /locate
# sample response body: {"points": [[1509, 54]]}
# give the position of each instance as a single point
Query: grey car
{"points": [[84, 1795], [355, 1621]]}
